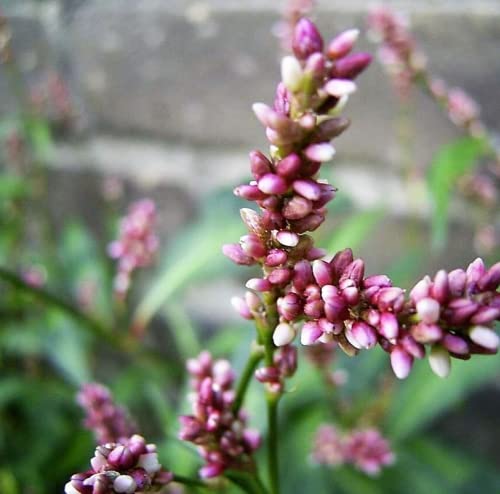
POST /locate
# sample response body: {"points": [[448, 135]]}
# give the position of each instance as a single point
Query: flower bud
{"points": [[457, 279], [440, 288], [259, 284], [364, 334], [401, 362], [439, 360], [426, 333], [428, 310], [272, 184], [241, 307], [289, 166], [306, 39], [249, 192], [291, 73], [420, 290], [485, 337], [308, 224], [322, 272], [389, 326], [455, 344], [289, 306], [124, 484], [321, 152], [252, 246], [351, 66], [259, 164], [296, 208], [333, 127], [283, 334], [485, 315], [237, 255], [311, 332], [340, 87], [280, 276], [342, 44]]}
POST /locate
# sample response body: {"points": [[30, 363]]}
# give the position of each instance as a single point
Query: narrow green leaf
{"points": [[12, 187], [450, 163], [353, 231]]}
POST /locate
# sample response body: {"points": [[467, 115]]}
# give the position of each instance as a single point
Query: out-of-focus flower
{"points": [[109, 422], [222, 437], [137, 243], [366, 449], [293, 11], [125, 467], [35, 276]]}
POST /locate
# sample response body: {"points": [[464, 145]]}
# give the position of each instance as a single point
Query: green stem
{"points": [[272, 432], [255, 357], [180, 479]]}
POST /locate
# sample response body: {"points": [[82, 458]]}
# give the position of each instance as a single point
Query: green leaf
{"points": [[353, 231], [450, 163], [12, 187], [40, 136], [195, 254], [423, 396]]}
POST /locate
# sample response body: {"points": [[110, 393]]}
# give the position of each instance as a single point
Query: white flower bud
{"points": [[439, 360], [283, 334], [291, 73]]}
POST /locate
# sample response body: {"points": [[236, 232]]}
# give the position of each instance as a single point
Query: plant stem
{"points": [[119, 341], [255, 357], [272, 431]]}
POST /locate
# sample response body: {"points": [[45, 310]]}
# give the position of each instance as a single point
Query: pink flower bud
{"points": [[321, 152], [335, 309], [249, 192], [440, 288], [272, 184], [401, 362], [259, 284], [306, 39], [121, 457], [340, 261], [252, 300], [311, 332], [252, 439], [460, 310], [380, 280], [237, 255], [342, 44], [491, 279], [354, 271], [252, 246], [412, 347], [309, 189], [315, 253], [426, 333], [390, 299], [364, 334], [457, 279], [302, 275], [314, 309], [241, 307], [259, 164], [420, 290], [389, 326], [351, 66], [309, 223], [289, 306], [280, 276], [333, 127], [211, 470], [428, 310], [475, 271], [276, 257], [296, 208], [252, 220], [315, 65], [455, 344], [289, 167], [322, 272], [485, 315]]}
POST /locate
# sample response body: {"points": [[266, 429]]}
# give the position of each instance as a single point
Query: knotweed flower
{"points": [[124, 467], [136, 245], [109, 422], [222, 437], [366, 449]]}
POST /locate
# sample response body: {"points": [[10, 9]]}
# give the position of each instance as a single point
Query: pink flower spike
{"points": [[340, 87], [320, 152]]}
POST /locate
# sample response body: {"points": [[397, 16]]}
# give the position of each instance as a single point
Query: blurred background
{"points": [[103, 102]]}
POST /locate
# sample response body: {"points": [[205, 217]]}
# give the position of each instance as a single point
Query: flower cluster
{"points": [[366, 449], [285, 365], [219, 432], [137, 243], [398, 51], [109, 422], [124, 467], [407, 64]]}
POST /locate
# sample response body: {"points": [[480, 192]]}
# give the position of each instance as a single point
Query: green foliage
{"points": [[450, 163]]}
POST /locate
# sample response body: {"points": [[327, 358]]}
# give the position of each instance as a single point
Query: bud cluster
{"points": [[124, 467], [285, 365], [366, 449], [137, 243], [221, 435], [108, 421]]}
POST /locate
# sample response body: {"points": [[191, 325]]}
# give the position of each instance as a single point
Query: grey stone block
{"points": [[189, 71]]}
